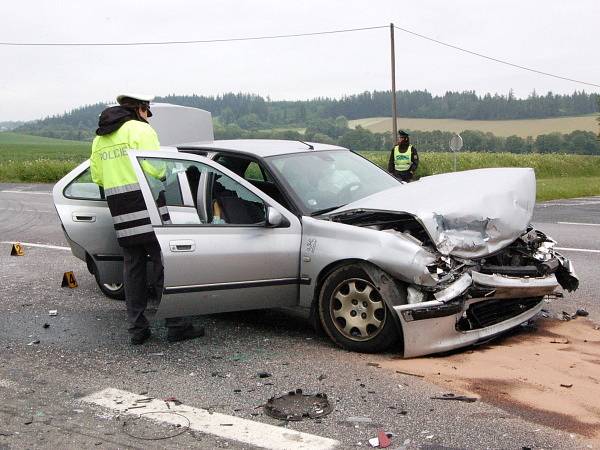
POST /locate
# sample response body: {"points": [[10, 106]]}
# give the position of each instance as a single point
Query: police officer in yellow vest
{"points": [[121, 128], [404, 158]]}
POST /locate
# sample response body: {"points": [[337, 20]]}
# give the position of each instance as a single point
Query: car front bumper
{"points": [[443, 325]]}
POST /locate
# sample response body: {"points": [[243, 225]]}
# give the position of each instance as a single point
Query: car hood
{"points": [[467, 214]]}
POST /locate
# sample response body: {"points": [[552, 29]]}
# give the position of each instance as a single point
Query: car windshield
{"points": [[325, 180]]}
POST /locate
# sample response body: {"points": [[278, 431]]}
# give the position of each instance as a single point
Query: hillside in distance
{"points": [[252, 112], [504, 128]]}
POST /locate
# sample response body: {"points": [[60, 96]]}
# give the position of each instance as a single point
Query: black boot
{"points": [[138, 337]]}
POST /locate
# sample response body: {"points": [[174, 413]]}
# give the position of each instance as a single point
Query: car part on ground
{"points": [[295, 405]]}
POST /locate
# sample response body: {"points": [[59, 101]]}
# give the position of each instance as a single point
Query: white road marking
{"points": [[26, 192], [222, 425], [574, 203], [26, 210], [580, 223], [585, 250], [30, 244]]}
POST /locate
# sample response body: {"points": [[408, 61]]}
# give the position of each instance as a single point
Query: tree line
{"points": [[326, 120], [336, 131], [253, 112]]}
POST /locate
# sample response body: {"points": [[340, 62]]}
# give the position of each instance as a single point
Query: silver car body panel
{"points": [[89, 225], [467, 214], [325, 243], [211, 269]]}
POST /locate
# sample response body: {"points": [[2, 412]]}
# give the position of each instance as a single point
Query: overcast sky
{"points": [[551, 35]]}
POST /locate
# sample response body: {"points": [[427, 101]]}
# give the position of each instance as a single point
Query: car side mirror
{"points": [[275, 218]]}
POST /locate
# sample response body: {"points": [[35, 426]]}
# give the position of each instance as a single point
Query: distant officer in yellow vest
{"points": [[121, 128], [404, 158]]}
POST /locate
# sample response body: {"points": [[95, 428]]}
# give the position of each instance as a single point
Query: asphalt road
{"points": [[85, 349]]}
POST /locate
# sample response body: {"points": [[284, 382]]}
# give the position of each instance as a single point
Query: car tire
{"points": [[116, 291], [353, 313]]}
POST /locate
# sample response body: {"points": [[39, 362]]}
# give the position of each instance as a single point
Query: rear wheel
{"points": [[116, 291], [354, 314]]}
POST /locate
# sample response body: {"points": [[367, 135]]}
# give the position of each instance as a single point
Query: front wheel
{"points": [[354, 314]]}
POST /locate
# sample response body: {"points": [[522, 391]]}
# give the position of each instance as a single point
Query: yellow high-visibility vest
{"points": [[109, 163], [402, 161]]}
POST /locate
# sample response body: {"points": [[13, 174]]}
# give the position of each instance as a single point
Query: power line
{"points": [[285, 36], [201, 41], [495, 59]]}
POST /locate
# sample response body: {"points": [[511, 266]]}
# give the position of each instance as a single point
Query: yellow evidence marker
{"points": [[69, 280], [17, 250]]}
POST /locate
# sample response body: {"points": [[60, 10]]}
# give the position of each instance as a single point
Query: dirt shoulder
{"points": [[549, 376]]}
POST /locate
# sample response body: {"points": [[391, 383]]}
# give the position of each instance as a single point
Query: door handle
{"points": [[83, 217], [184, 245]]}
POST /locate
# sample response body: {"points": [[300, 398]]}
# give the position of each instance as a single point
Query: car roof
{"points": [[261, 147]]}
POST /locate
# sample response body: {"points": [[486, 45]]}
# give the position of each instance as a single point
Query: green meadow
{"points": [[33, 159]]}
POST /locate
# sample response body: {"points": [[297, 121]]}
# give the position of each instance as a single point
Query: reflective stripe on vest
{"points": [[402, 161]]}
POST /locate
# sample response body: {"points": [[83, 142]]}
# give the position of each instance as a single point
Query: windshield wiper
{"points": [[325, 210]]}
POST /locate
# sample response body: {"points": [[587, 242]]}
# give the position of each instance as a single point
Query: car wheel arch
{"points": [[89, 261]]}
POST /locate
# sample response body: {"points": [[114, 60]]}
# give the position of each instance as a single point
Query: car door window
{"points": [[83, 188], [199, 194]]}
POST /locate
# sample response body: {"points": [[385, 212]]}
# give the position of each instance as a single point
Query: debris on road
{"points": [[263, 375], [46, 325], [582, 313], [135, 407], [565, 341], [172, 400], [295, 405], [566, 385], [411, 374], [177, 429], [37, 341], [383, 440], [53, 312], [359, 419], [372, 364], [459, 398], [321, 377]]}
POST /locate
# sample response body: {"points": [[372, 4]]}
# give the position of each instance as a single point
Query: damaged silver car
{"points": [[425, 267]]}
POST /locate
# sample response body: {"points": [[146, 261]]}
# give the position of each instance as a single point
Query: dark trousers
{"points": [[135, 281], [404, 175]]}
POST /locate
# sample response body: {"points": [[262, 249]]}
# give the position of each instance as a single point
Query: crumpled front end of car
{"points": [[475, 299]]}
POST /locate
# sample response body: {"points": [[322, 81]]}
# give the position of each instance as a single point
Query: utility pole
{"points": [[394, 108]]}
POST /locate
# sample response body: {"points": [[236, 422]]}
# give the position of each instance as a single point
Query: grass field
{"points": [[37, 159], [33, 159], [523, 128]]}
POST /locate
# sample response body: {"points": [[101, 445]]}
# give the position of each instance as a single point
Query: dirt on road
{"points": [[550, 375]]}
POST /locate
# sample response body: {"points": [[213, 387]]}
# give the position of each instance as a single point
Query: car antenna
{"points": [[307, 144]]}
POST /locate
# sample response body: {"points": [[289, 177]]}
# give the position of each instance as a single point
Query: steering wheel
{"points": [[348, 190]]}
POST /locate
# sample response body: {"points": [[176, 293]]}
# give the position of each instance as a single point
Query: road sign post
{"points": [[456, 144]]}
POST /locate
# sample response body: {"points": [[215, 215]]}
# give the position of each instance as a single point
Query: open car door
{"points": [[88, 227], [226, 246]]}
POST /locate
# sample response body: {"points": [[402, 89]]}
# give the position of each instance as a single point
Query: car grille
{"points": [[490, 312]]}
